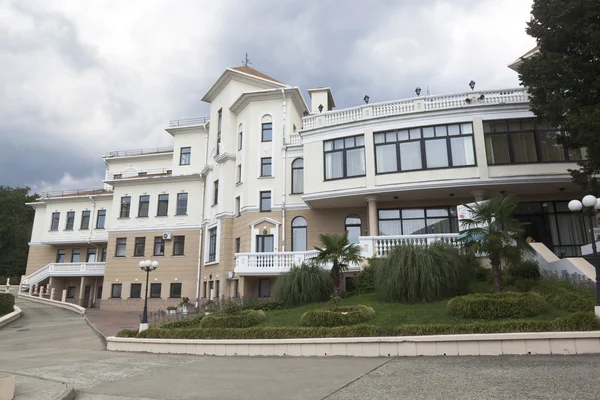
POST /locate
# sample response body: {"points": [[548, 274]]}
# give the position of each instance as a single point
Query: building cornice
{"points": [[143, 180], [223, 157], [49, 242], [270, 94], [230, 74], [156, 228]]}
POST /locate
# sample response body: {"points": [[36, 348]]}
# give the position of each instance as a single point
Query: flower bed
{"points": [[7, 303], [497, 305], [242, 319], [350, 315]]}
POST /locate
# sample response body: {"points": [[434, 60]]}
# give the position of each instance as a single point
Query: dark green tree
{"points": [[563, 78], [16, 222], [338, 252]]}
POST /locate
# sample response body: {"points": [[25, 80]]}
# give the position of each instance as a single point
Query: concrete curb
{"points": [[439, 345], [66, 306], [10, 317], [67, 394], [96, 330]]}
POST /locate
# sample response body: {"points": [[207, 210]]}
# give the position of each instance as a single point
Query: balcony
{"points": [[65, 269], [379, 246], [138, 152], [176, 123], [73, 193], [416, 104], [133, 173]]}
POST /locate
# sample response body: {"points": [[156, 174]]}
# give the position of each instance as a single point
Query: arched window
{"points": [[353, 227], [299, 234], [298, 176]]}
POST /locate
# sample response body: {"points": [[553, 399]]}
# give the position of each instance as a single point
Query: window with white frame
{"points": [[212, 244], [299, 234], [265, 201], [265, 166], [298, 176]]}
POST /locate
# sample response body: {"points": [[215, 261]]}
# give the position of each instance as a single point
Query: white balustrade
{"points": [[65, 269], [294, 139], [270, 263], [379, 246], [398, 107]]}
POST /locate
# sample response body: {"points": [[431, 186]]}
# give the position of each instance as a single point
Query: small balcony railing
{"points": [[188, 122], [270, 263], [65, 269], [379, 246], [137, 152]]}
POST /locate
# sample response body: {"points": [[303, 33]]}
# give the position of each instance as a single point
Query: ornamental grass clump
{"points": [[421, 274], [304, 284], [242, 319], [497, 305]]}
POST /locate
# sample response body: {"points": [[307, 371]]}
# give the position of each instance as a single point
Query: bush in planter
{"points": [[242, 319], [413, 274], [7, 303], [351, 315], [565, 296], [304, 284], [184, 323], [497, 305]]}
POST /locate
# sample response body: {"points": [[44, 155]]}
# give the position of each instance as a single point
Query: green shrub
{"points": [[497, 305], [566, 296], [524, 285], [414, 274], [7, 303], [365, 280], [480, 287], [525, 269], [184, 323], [243, 319], [265, 305], [131, 333], [324, 317], [576, 322], [303, 285]]}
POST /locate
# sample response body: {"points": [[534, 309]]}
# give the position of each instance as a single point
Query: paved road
{"points": [[57, 345]]}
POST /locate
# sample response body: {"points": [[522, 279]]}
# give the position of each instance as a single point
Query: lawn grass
{"points": [[389, 315]]}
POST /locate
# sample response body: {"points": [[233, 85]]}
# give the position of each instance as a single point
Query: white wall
{"points": [[145, 163]]}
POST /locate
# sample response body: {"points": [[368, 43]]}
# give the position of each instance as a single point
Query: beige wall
{"points": [[40, 256], [172, 269]]}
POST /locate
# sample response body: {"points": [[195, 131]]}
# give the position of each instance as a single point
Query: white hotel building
{"points": [[244, 193]]}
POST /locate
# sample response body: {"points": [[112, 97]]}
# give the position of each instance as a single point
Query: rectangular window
{"points": [[99, 292], [265, 201], [136, 291], [70, 221], [212, 244], [182, 202], [267, 132], [125, 207], [265, 166], [103, 257], [237, 245], [345, 157], [75, 255], [71, 292], [155, 289], [85, 220], [428, 147], [239, 173], [298, 176], [163, 205], [159, 246], [264, 288], [100, 219], [524, 141], [265, 243], [121, 245], [140, 246], [185, 156], [238, 210], [417, 221], [240, 139], [178, 245], [216, 192], [204, 289], [217, 289], [115, 292], [55, 221], [60, 256], [91, 255], [236, 288], [219, 124], [175, 291], [144, 208]]}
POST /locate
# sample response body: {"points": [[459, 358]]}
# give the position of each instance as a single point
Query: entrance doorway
{"points": [[86, 295]]}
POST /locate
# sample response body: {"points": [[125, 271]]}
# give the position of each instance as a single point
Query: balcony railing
{"points": [[270, 263], [65, 269], [294, 139], [188, 122], [138, 174], [416, 104], [73, 192], [137, 152], [379, 246]]}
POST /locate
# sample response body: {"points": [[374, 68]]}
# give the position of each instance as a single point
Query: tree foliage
{"points": [[493, 230], [563, 78], [339, 252], [16, 222]]}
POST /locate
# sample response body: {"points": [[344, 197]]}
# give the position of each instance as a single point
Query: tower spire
{"points": [[246, 61]]}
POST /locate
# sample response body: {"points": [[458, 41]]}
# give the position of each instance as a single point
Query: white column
{"points": [[64, 296], [52, 293], [81, 288], [372, 212], [479, 195]]}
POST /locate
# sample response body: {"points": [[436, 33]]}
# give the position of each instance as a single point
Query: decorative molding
{"points": [[231, 74], [223, 157], [143, 180], [292, 93], [156, 228], [262, 220]]}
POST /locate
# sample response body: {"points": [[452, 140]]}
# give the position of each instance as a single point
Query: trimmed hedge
{"points": [[243, 319], [324, 317], [7, 303], [184, 323], [566, 296], [129, 333], [497, 305], [575, 322]]}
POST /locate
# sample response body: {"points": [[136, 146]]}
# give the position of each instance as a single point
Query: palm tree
{"points": [[493, 230], [338, 252]]}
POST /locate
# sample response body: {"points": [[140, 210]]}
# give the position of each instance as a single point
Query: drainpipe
{"points": [[284, 149], [200, 247], [89, 241]]}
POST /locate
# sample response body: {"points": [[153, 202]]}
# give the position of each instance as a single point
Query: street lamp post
{"points": [[147, 266], [591, 203]]}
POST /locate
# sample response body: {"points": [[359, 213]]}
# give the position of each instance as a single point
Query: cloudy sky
{"points": [[82, 77]]}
